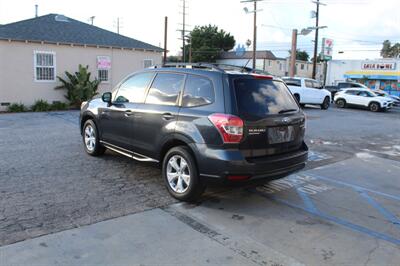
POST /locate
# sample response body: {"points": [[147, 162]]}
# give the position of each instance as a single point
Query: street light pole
{"points": [[314, 70], [255, 35]]}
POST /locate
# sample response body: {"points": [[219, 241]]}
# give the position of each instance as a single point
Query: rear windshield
{"points": [[257, 98], [292, 82]]}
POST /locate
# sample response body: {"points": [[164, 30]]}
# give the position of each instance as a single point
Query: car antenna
{"points": [[245, 66]]}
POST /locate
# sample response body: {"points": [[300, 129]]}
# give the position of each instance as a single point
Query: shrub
{"points": [[17, 108], [79, 86], [58, 106], [41, 106]]}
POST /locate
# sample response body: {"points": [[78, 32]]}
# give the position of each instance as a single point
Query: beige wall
{"points": [[17, 69]]}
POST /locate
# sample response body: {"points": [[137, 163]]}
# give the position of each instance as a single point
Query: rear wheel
{"points": [[91, 139], [374, 107], [325, 104], [341, 103], [180, 174]]}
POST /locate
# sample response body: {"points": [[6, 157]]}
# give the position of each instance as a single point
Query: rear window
{"points": [[293, 82], [257, 98]]}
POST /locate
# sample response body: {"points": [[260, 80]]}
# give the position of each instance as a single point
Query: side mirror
{"points": [[106, 97]]}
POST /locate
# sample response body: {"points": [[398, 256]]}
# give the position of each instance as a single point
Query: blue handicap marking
{"points": [[309, 206]]}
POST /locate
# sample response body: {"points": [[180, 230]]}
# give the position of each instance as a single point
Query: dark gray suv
{"points": [[202, 122]]}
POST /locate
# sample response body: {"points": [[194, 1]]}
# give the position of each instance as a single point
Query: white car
{"points": [[362, 98], [308, 91]]}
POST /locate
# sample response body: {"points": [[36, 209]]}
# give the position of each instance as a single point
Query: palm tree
{"points": [[79, 86]]}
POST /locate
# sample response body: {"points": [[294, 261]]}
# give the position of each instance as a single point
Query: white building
{"points": [[381, 74], [267, 61], [34, 52]]}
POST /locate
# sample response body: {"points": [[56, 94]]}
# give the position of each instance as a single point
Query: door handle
{"points": [[168, 116], [128, 113]]}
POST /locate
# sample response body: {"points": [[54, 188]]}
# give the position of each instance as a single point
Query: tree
{"points": [[79, 86], [390, 51], [301, 55], [207, 42]]}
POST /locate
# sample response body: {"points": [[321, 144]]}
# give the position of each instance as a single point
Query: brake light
{"points": [[230, 127], [258, 76]]}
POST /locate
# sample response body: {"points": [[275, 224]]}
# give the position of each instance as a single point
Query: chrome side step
{"points": [[134, 155]]}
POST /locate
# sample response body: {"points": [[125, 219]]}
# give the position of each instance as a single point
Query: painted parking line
{"points": [[299, 183], [314, 156]]}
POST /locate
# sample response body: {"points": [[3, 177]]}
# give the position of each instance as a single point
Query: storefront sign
{"points": [[378, 66], [327, 48], [103, 62]]}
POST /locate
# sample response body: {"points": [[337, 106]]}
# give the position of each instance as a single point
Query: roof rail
{"points": [[215, 67], [192, 65]]}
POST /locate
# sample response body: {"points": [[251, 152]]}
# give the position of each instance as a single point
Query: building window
{"points": [[103, 75], [302, 66], [147, 63], [45, 66]]}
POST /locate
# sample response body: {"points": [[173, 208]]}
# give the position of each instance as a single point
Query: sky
{"points": [[358, 27]]}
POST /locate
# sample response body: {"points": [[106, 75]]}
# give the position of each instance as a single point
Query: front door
{"points": [[117, 121]]}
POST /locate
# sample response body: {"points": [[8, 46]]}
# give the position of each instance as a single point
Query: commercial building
{"points": [[34, 52], [381, 74]]}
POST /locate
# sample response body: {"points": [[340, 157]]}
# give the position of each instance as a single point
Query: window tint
{"points": [[198, 91], [165, 89], [351, 92], [316, 84], [292, 82], [133, 89], [309, 84], [258, 98]]}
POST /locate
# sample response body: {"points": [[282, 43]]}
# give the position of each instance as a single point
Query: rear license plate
{"points": [[280, 134]]}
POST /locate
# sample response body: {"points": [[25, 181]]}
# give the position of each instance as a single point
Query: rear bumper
{"points": [[217, 165]]}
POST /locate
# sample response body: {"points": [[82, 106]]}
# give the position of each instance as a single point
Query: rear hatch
{"points": [[273, 121]]}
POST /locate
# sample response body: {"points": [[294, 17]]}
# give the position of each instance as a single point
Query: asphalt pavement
{"points": [[343, 208]]}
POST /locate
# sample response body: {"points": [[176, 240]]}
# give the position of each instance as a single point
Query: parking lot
{"points": [[343, 208]]}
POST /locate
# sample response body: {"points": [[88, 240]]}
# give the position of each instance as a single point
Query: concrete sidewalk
{"points": [[149, 238]]}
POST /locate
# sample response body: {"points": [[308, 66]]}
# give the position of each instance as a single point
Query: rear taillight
{"points": [[230, 127]]}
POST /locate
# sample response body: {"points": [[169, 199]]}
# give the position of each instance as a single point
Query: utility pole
{"points": [[183, 29], [314, 70], [92, 19], [118, 25], [36, 10], [255, 35], [165, 39], [292, 69]]}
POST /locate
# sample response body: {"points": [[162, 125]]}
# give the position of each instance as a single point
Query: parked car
{"points": [[308, 91], [364, 98], [343, 85], [395, 99], [201, 123]]}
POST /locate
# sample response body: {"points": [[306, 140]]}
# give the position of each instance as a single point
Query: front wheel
{"points": [[374, 107], [180, 174], [91, 139], [325, 104], [341, 103]]}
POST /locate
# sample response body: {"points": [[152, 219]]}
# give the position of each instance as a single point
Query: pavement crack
{"points": [[372, 250]]}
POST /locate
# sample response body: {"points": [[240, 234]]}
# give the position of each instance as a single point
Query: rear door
{"points": [[273, 122], [157, 116]]}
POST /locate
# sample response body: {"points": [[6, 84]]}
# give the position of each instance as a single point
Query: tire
{"points": [[374, 107], [90, 137], [180, 174], [325, 104], [341, 103]]}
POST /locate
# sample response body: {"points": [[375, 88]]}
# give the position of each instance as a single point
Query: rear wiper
{"points": [[287, 111]]}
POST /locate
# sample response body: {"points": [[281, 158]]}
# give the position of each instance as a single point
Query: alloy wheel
{"points": [[178, 174], [90, 138]]}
